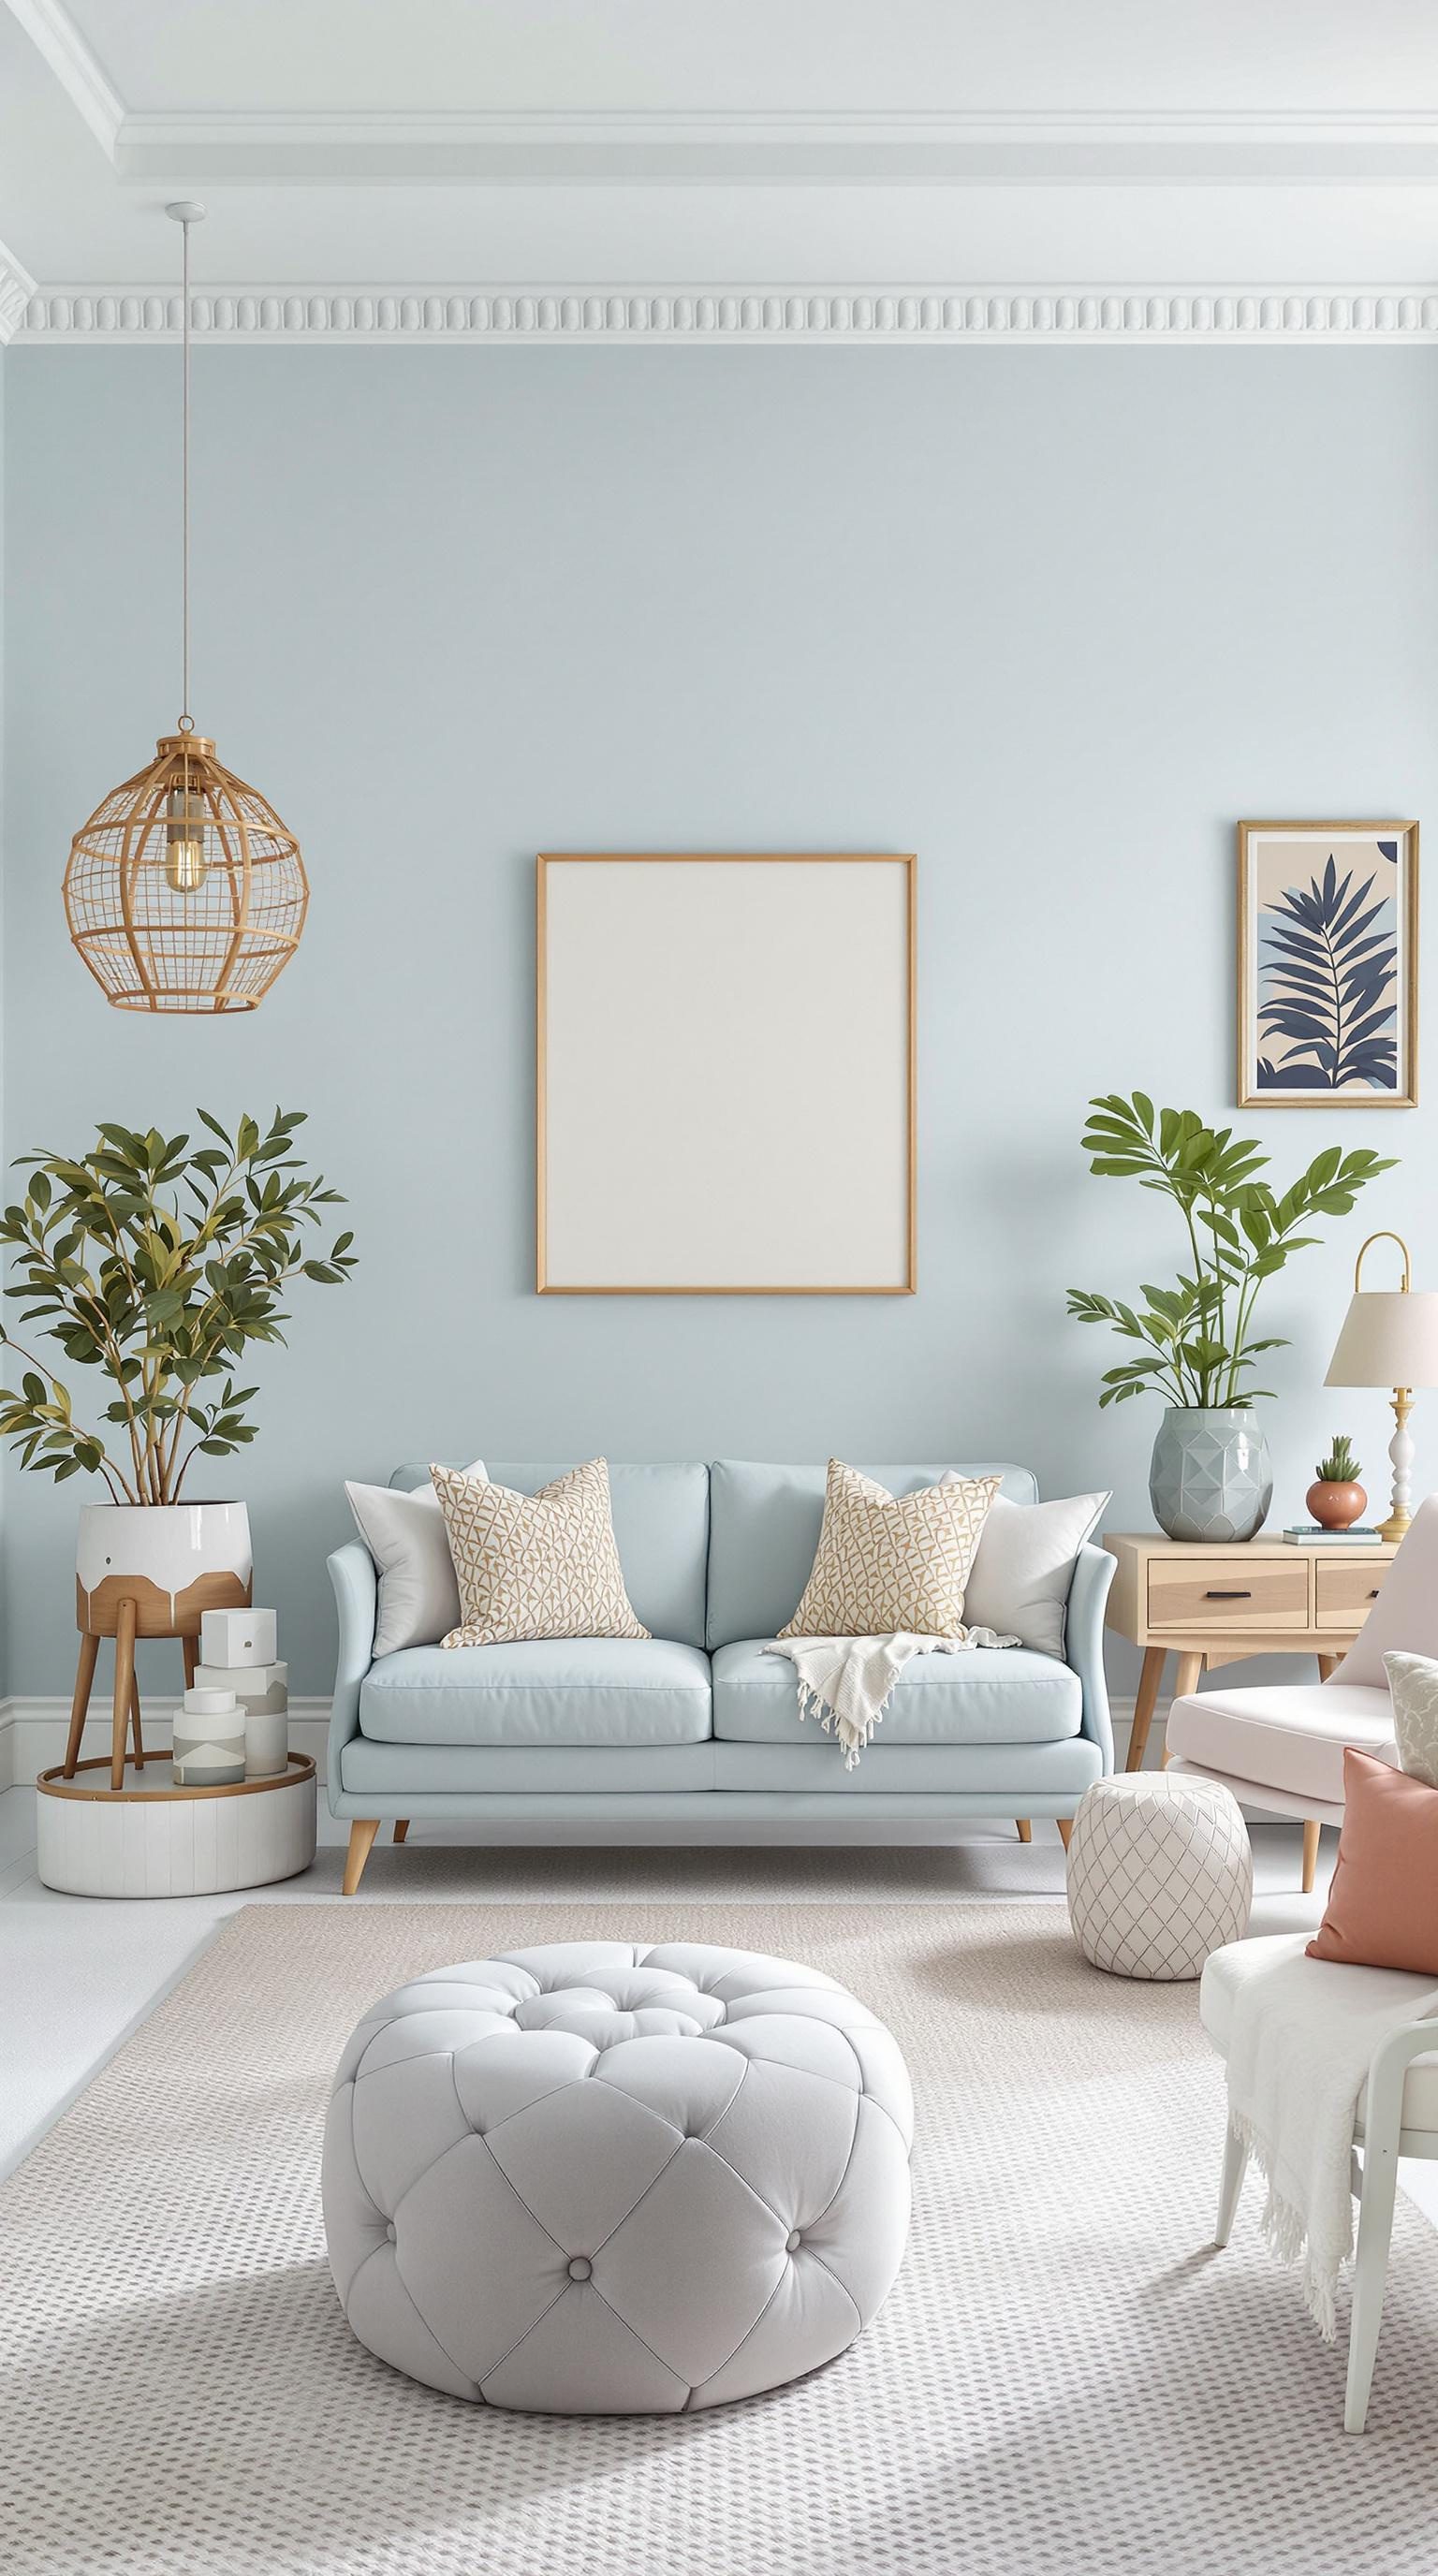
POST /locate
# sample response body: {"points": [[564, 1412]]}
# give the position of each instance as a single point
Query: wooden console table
{"points": [[1216, 1605]]}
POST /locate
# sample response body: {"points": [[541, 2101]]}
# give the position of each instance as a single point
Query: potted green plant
{"points": [[157, 1263], [1210, 1477], [1336, 1499]]}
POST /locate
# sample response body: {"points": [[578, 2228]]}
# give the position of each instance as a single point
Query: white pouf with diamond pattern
{"points": [[1160, 1874], [599, 2179]]}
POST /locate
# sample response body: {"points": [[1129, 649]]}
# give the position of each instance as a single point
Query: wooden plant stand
{"points": [[127, 1609]]}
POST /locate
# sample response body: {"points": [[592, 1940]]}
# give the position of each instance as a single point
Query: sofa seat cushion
{"points": [[1009, 1773], [1366, 1990], [1287, 1737], [566, 1773], [561, 1690], [981, 1695]]}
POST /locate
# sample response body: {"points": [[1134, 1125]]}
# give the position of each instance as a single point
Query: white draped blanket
{"points": [[847, 1682], [1301, 2043]]}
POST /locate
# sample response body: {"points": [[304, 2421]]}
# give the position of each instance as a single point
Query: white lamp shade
{"points": [[1389, 1338]]}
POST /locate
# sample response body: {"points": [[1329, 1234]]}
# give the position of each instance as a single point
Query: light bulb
{"points": [[185, 840]]}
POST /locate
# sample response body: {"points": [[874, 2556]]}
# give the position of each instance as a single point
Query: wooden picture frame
{"points": [[725, 1074], [1327, 965]]}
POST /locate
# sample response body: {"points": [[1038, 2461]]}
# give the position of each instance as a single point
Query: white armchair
{"points": [[1397, 2116], [1281, 1749]]}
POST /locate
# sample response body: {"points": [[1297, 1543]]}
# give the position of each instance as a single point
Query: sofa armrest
{"points": [[352, 1572], [1094, 1571]]}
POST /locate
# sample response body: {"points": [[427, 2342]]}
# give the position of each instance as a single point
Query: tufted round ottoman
{"points": [[1160, 1874], [598, 2179]]}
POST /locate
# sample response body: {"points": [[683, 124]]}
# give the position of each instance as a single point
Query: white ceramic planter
{"points": [[173, 1560]]}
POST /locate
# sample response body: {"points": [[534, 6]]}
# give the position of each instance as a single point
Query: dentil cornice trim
{"points": [[781, 316]]}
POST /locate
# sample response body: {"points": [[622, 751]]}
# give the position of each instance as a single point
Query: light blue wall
{"points": [[1053, 619]]}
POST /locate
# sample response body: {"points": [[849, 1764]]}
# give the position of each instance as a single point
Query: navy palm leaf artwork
{"points": [[1330, 977]]}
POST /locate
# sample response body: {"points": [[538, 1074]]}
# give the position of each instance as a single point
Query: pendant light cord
{"points": [[186, 719], [185, 213]]}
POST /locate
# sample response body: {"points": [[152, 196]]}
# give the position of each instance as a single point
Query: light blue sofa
{"points": [[695, 1733]]}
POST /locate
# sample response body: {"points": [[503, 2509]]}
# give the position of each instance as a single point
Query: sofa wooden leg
{"points": [[1026, 1831], [1311, 1831], [362, 1834], [401, 1828], [1065, 1825]]}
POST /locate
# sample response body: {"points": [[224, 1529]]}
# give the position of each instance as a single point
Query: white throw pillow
{"points": [[1024, 1566], [1413, 1686], [406, 1536]]}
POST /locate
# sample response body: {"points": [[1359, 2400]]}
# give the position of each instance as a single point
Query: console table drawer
{"points": [[1346, 1593], [1214, 1592]]}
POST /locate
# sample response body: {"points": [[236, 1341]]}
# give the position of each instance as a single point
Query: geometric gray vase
{"points": [[1211, 1477]]}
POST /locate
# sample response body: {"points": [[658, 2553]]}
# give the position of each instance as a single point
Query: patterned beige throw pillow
{"points": [[886, 1563], [535, 1565]]}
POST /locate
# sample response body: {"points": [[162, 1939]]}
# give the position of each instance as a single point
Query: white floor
{"points": [[78, 1974]]}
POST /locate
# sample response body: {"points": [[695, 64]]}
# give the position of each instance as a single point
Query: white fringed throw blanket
{"points": [[847, 1682], [1298, 2058]]}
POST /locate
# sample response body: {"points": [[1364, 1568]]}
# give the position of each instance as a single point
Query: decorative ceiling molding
{"points": [[918, 147], [17, 288], [57, 39], [388, 316]]}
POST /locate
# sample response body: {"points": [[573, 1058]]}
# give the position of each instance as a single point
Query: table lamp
{"points": [[1390, 1338]]}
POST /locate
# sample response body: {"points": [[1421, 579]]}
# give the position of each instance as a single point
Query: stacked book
{"points": [[1309, 1534]]}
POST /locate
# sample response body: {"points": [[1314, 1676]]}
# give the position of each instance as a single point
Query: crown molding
{"points": [[58, 41], [17, 289], [793, 316], [919, 147]]}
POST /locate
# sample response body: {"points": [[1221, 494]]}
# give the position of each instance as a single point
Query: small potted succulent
{"points": [[1337, 1500]]}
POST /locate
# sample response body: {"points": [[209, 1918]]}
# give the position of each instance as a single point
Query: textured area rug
{"points": [[1067, 2376]]}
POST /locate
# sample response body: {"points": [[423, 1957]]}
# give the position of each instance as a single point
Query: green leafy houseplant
{"points": [[1340, 1467], [158, 1265], [1196, 1338]]}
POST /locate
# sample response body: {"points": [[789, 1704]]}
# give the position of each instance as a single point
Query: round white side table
{"points": [[152, 1839]]}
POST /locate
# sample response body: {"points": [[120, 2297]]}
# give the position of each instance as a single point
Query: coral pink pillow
{"points": [[1383, 1903]]}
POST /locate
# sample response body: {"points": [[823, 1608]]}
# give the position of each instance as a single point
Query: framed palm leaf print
{"points": [[1327, 965]]}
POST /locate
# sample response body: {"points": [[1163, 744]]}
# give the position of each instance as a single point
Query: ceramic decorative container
{"points": [[1336, 1506], [1211, 1478], [267, 1742], [238, 1637], [209, 1740], [173, 1560]]}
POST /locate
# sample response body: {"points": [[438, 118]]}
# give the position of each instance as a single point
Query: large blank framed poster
{"points": [[726, 1075]]}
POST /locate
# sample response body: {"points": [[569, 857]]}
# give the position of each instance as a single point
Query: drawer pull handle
{"points": [[1373, 1595], [1228, 1596]]}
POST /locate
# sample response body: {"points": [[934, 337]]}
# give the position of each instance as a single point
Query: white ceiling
{"points": [[470, 145]]}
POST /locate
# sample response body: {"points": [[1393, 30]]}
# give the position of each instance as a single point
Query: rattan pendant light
{"points": [[184, 891]]}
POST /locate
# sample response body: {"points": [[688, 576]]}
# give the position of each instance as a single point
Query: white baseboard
{"points": [[33, 1732]]}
